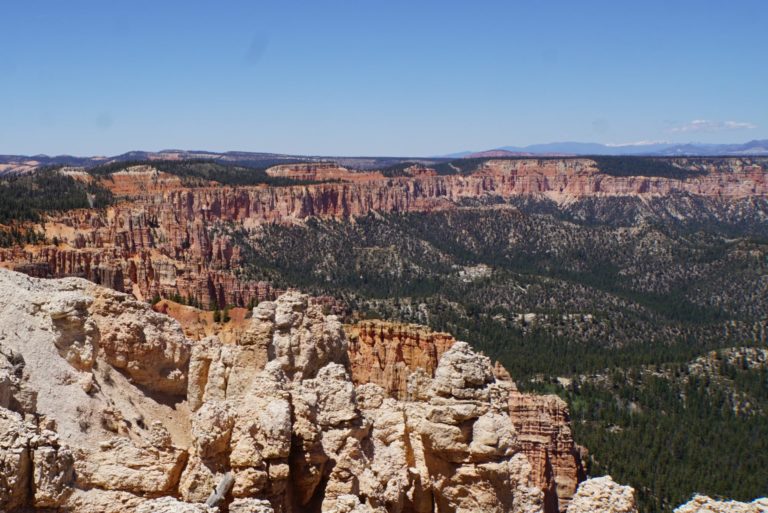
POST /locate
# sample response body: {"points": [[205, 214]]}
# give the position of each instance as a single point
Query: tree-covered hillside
{"points": [[24, 197]]}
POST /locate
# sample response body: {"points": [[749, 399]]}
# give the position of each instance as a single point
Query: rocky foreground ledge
{"points": [[105, 406]]}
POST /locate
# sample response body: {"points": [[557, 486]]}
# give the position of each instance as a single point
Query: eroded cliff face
{"points": [[106, 406], [387, 354], [544, 431], [166, 239], [318, 171]]}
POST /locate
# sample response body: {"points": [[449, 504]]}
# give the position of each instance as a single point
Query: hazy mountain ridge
{"points": [[13, 163], [10, 164], [659, 149]]}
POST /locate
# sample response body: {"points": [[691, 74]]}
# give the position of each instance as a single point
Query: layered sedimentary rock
{"points": [[142, 179], [145, 273], [544, 431], [561, 180], [319, 171], [165, 239], [388, 353]]}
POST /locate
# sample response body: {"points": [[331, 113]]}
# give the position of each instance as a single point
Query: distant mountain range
{"points": [[660, 149], [26, 163], [10, 164]]}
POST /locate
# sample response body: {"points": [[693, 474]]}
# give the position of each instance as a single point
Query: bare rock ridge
{"points": [[106, 406], [162, 238], [603, 495], [704, 504]]}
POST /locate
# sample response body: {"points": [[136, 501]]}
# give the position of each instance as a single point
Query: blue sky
{"points": [[377, 78]]}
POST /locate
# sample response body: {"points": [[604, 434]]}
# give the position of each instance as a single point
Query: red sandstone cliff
{"points": [[543, 428], [315, 171], [386, 353], [560, 180], [162, 240]]}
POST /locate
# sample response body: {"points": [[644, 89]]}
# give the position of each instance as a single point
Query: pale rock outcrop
{"points": [[57, 328], [462, 374], [303, 339], [352, 504], [212, 428], [603, 495], [119, 464], [469, 446], [269, 405], [199, 478], [15, 461], [78, 433], [148, 346], [304, 437], [53, 470], [250, 506], [34, 468], [277, 410], [454, 452], [261, 440], [389, 354], [331, 429], [392, 474], [171, 505], [95, 500], [704, 504]]}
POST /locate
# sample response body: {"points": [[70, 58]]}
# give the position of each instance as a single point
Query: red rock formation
{"points": [[140, 180], [144, 273], [559, 180], [386, 353], [419, 170], [164, 239], [315, 171], [543, 427]]}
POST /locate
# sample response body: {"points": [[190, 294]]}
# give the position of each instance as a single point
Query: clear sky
{"points": [[377, 78]]}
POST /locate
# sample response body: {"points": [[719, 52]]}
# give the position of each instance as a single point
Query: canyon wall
{"points": [[169, 240], [559, 180], [388, 354]]}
